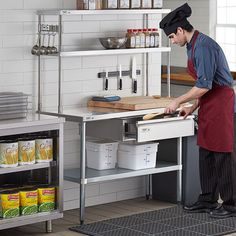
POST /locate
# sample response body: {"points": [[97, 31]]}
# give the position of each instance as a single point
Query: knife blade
{"points": [[106, 81], [133, 74], [120, 78]]}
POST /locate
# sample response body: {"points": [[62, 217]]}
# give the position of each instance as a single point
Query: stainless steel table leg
{"points": [[49, 226], [82, 170], [179, 172], [147, 183]]}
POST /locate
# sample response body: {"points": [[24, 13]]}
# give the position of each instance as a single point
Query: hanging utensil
{"points": [[120, 78], [48, 47], [133, 74], [35, 48], [43, 49], [53, 48]]}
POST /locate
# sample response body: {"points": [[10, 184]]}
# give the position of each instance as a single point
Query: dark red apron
{"points": [[215, 114]]}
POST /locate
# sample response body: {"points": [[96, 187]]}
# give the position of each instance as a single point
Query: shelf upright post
{"points": [[146, 62], [39, 66], [179, 172], [82, 170], [59, 64], [168, 71]]}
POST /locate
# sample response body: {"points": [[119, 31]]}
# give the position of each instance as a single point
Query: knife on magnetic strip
{"points": [[133, 74]]}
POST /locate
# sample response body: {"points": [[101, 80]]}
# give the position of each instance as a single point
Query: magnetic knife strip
{"points": [[116, 73]]}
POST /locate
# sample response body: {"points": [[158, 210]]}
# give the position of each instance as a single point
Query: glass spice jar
{"points": [[146, 4], [110, 4], [157, 3], [80, 4], [135, 4], [123, 4]]}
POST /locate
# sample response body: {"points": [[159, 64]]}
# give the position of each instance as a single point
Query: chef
{"points": [[215, 99]]}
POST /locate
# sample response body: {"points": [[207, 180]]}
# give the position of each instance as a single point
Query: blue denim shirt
{"points": [[210, 63]]}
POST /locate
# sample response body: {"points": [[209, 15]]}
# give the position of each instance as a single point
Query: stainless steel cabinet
{"points": [[51, 172]]}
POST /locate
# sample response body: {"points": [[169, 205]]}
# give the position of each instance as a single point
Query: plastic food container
{"points": [[137, 156], [101, 154], [8, 154], [44, 150], [26, 152]]}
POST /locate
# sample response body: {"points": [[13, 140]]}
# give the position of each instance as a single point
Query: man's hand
{"points": [[172, 107], [185, 111]]}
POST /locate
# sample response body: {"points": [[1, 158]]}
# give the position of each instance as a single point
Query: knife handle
{"points": [[135, 86], [120, 84], [106, 84]]}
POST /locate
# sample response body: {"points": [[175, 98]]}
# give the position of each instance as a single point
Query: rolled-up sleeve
{"points": [[205, 64]]}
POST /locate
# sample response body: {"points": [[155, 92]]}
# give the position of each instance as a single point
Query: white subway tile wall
{"points": [[18, 72]]}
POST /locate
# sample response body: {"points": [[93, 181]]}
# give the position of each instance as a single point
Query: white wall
{"points": [[18, 72], [200, 21]]}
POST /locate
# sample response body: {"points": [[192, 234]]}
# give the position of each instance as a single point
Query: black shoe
{"points": [[200, 207], [221, 213]]}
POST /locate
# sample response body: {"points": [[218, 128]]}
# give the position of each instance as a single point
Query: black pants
{"points": [[218, 176]]}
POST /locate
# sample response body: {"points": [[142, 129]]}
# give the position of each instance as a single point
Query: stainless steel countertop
{"points": [[98, 113], [30, 120]]}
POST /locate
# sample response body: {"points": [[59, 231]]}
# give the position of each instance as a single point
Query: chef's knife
{"points": [[106, 81], [120, 78], [133, 74]]}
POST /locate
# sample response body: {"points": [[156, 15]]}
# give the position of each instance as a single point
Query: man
{"points": [[215, 98]]}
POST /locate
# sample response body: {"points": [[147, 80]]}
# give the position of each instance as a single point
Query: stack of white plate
{"points": [[13, 105]]}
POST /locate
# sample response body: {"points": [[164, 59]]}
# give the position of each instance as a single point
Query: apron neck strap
{"points": [[196, 33]]}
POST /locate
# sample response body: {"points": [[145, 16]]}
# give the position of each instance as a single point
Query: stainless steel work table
{"points": [[84, 175]]}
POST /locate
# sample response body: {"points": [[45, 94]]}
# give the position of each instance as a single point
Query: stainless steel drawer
{"points": [[134, 128], [164, 128]]}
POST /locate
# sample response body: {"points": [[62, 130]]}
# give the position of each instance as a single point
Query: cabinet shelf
{"points": [[93, 175], [26, 167], [30, 219], [103, 12], [37, 125], [113, 51]]}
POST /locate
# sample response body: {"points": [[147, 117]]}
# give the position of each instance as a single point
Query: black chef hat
{"points": [[176, 18]]}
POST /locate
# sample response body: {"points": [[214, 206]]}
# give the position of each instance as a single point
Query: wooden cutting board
{"points": [[134, 103]]}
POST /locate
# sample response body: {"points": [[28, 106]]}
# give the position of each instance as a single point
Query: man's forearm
{"points": [[192, 94]]}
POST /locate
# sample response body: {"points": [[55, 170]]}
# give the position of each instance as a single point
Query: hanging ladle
{"points": [[49, 49], [53, 48], [43, 49], [35, 48]]}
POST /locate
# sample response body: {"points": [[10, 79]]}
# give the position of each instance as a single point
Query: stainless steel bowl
{"points": [[113, 42]]}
